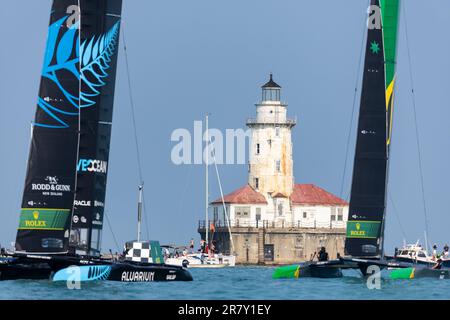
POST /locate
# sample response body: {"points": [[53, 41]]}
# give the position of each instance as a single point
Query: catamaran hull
{"points": [[77, 270], [333, 268], [420, 272], [10, 270], [126, 272], [411, 261], [320, 272]]}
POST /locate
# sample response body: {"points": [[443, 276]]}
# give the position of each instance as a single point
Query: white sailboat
{"points": [[207, 259]]}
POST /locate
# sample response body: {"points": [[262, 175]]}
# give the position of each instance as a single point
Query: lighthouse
{"points": [[271, 218], [270, 153]]}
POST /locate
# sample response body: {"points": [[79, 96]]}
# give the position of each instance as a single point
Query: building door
{"points": [[268, 252]]}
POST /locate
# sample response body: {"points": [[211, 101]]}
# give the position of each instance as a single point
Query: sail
{"points": [[365, 226], [70, 136], [100, 29]]}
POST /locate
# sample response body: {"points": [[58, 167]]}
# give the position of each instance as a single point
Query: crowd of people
{"points": [[438, 258], [444, 255], [204, 249]]}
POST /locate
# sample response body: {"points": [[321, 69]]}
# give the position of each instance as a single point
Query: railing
{"points": [[275, 224], [291, 122]]}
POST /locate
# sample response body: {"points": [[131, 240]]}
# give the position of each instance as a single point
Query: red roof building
{"points": [[309, 206], [310, 194], [244, 195], [303, 194]]}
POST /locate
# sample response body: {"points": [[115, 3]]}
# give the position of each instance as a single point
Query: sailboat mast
{"points": [[141, 187], [206, 181], [223, 203]]}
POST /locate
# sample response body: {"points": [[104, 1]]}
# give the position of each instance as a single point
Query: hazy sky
{"points": [[191, 57]]}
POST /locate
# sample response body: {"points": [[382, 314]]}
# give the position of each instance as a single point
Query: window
{"points": [[277, 131], [340, 216], [333, 214], [216, 213], [280, 209], [257, 148], [256, 183], [271, 94], [278, 165], [242, 212], [52, 243], [96, 239], [258, 214], [79, 238], [305, 215]]}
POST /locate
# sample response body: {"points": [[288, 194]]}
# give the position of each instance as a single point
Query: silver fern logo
{"points": [[82, 64]]}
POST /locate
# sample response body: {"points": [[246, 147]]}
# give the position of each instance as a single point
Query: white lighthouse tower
{"points": [[270, 155]]}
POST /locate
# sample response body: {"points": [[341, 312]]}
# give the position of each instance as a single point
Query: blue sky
{"points": [[191, 57]]}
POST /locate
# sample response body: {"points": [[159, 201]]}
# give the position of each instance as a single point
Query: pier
{"points": [[269, 243]]}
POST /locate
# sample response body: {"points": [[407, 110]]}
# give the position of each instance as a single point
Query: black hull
{"points": [[16, 268], [130, 272], [411, 262], [333, 268], [32, 271], [432, 273], [319, 271]]}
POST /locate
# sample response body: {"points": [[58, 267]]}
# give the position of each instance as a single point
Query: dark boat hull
{"points": [[432, 273], [126, 272], [411, 261], [68, 268], [420, 272], [10, 269], [317, 271], [333, 268]]}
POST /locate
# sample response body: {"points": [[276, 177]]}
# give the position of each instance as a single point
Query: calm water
{"points": [[233, 283]]}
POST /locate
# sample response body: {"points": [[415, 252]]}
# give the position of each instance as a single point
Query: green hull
{"points": [[308, 270], [416, 273], [286, 272]]}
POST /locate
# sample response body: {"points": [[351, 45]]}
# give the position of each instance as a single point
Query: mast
{"points": [[65, 186], [223, 203], [206, 182], [141, 187], [366, 218]]}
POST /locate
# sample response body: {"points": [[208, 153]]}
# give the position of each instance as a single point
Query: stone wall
{"points": [[290, 245]]}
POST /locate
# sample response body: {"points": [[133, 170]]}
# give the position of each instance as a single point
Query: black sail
{"points": [[365, 224], [72, 126], [100, 27]]}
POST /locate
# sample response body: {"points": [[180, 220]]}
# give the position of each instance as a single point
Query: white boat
{"points": [[197, 260], [204, 260], [414, 253]]}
